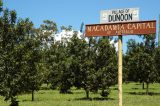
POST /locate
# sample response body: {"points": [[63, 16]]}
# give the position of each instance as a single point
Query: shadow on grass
{"points": [[77, 92], [138, 84], [27, 100], [143, 93], [95, 99], [143, 89], [134, 88], [115, 88]]}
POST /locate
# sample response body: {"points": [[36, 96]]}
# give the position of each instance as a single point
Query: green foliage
{"points": [[157, 62], [19, 48], [141, 61], [49, 25], [1, 6], [60, 61], [69, 28], [106, 65], [91, 66], [10, 64]]}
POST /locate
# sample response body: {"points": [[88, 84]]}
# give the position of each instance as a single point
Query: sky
{"points": [[74, 12]]}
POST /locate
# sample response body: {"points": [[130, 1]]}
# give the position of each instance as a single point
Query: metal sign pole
{"points": [[120, 70]]}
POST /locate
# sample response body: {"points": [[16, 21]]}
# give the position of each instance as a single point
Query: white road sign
{"points": [[119, 15]]}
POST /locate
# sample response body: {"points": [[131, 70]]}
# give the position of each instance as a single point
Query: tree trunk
{"points": [[47, 84], [14, 102], [87, 93], [32, 95], [147, 90], [95, 91], [142, 85], [103, 94], [63, 91]]}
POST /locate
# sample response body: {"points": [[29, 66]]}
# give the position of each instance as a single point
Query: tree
{"points": [[132, 48], [36, 56], [106, 65], [46, 34], [157, 63], [76, 49], [138, 54], [33, 64], [88, 67], [12, 48], [19, 48], [60, 61], [10, 72], [69, 28]]}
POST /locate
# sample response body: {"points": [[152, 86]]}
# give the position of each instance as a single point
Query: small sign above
{"points": [[119, 15]]}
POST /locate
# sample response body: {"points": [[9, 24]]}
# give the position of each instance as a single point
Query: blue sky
{"points": [[74, 12]]}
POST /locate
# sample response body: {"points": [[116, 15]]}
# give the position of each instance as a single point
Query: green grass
{"points": [[133, 95]]}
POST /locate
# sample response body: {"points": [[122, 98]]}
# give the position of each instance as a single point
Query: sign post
{"points": [[120, 70], [121, 28]]}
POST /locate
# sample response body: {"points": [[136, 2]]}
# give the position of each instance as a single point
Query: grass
{"points": [[133, 95]]}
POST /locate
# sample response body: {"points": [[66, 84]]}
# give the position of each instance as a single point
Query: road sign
{"points": [[125, 28], [120, 22], [119, 15]]}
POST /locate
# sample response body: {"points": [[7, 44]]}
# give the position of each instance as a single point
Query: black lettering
{"points": [[114, 12], [130, 17], [117, 17], [110, 18], [122, 17], [126, 17]]}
